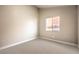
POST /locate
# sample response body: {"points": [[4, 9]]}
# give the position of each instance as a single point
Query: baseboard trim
{"points": [[63, 42], [14, 44]]}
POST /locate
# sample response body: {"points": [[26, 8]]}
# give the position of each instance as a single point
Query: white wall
{"points": [[68, 23], [17, 23]]}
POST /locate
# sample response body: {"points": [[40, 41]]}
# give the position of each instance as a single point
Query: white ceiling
{"points": [[47, 6]]}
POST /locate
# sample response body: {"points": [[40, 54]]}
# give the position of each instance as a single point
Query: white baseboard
{"points": [[63, 42], [14, 44]]}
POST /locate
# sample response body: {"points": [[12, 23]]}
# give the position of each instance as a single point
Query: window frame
{"points": [[53, 29]]}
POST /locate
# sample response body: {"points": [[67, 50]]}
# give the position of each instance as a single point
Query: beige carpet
{"points": [[40, 46]]}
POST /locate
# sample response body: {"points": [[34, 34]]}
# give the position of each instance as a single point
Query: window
{"points": [[53, 23]]}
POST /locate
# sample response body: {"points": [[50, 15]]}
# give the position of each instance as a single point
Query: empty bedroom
{"points": [[39, 29]]}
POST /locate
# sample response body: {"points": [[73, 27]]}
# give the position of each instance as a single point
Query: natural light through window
{"points": [[53, 23]]}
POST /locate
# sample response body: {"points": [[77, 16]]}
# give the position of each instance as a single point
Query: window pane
{"points": [[53, 24], [56, 23], [49, 24]]}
